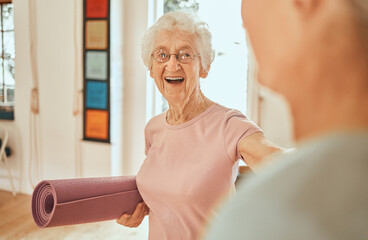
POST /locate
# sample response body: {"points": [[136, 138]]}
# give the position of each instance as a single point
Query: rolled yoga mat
{"points": [[83, 200]]}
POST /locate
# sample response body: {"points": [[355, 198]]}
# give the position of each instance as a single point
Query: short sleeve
{"points": [[237, 127]]}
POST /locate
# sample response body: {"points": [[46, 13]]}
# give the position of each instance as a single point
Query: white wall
{"points": [[62, 154], [55, 59], [134, 89]]}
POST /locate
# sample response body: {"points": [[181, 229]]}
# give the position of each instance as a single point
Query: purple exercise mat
{"points": [[83, 200]]}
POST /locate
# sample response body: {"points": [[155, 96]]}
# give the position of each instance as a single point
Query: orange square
{"points": [[97, 124], [96, 34]]}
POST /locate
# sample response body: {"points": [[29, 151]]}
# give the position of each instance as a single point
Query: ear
{"points": [[203, 73], [307, 7], [151, 73]]}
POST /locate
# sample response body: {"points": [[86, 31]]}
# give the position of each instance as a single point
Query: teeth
{"points": [[174, 78]]}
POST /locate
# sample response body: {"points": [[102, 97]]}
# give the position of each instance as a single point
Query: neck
{"points": [[341, 104], [315, 120], [182, 112]]}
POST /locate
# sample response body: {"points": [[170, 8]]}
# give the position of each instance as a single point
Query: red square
{"points": [[96, 8]]}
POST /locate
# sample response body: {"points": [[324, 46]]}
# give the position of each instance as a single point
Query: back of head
{"points": [[181, 21]]}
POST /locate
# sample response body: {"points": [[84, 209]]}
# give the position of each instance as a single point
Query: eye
{"points": [[162, 55], [185, 55]]}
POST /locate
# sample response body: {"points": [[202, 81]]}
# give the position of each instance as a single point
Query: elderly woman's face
{"points": [[176, 81]]}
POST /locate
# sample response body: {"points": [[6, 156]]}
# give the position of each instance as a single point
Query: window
{"points": [[7, 81], [226, 83]]}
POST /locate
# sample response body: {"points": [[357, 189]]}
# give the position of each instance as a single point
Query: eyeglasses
{"points": [[183, 56]]}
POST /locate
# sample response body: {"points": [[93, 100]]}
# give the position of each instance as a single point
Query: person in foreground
{"points": [[315, 53], [192, 149]]}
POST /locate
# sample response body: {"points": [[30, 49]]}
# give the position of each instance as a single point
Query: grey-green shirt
{"points": [[319, 191]]}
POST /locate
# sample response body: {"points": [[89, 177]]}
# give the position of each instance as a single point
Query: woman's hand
{"points": [[136, 218]]}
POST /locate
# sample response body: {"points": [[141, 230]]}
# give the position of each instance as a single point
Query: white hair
{"points": [[182, 21]]}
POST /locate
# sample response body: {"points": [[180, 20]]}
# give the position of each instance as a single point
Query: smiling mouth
{"points": [[174, 80]]}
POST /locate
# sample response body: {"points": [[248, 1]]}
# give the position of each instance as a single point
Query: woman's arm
{"points": [[255, 148]]}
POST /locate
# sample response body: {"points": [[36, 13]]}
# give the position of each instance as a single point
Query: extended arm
{"points": [[255, 148]]}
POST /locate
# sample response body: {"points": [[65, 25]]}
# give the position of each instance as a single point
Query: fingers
{"points": [[146, 210], [138, 210], [123, 219], [143, 210], [127, 221], [136, 218]]}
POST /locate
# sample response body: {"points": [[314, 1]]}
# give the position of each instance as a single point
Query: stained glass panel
{"points": [[9, 72], [9, 45], [8, 17]]}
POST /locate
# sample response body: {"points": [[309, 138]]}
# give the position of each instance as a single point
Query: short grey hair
{"points": [[183, 21]]}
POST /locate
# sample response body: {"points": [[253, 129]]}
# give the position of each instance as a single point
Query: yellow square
{"points": [[96, 34]]}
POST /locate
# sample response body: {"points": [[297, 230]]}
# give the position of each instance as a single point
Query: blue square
{"points": [[96, 95]]}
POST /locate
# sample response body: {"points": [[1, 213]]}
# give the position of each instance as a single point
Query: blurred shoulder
{"points": [[317, 180], [327, 158]]}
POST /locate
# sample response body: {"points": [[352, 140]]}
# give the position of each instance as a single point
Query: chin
{"points": [[265, 80], [272, 82]]}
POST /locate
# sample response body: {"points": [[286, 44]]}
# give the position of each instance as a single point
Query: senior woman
{"points": [[315, 53], [192, 150]]}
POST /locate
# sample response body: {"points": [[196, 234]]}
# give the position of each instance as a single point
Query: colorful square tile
{"points": [[96, 95], [96, 34], [96, 65], [96, 8], [97, 124]]}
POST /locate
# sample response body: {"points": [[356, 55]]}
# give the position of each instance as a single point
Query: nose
{"points": [[173, 64]]}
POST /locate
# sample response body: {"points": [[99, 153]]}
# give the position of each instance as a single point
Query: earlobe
{"points": [[306, 7], [151, 73], [203, 74]]}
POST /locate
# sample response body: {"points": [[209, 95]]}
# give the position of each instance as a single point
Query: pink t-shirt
{"points": [[190, 167]]}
